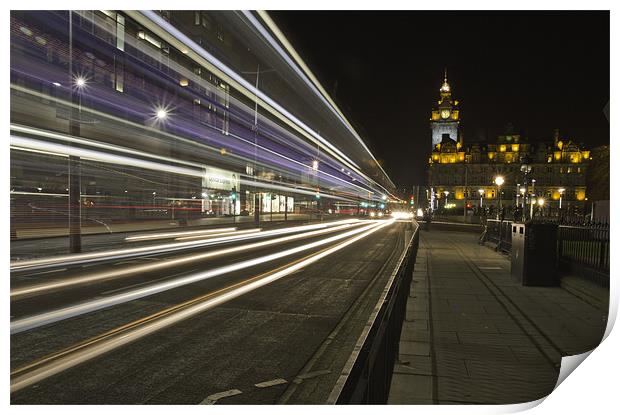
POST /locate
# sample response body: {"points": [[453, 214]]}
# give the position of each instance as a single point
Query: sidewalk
{"points": [[472, 335]]}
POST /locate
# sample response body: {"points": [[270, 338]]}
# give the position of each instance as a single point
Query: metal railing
{"points": [[583, 247], [499, 232], [367, 376], [584, 250]]}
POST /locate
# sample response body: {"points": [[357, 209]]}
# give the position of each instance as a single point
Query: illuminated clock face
{"points": [[445, 114]]}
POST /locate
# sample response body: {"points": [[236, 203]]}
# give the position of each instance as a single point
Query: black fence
{"points": [[583, 247], [498, 232], [584, 251], [370, 374]]}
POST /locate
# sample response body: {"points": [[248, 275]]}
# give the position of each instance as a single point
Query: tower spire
{"points": [[445, 88]]}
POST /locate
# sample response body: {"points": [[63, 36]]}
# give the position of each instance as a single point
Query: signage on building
{"points": [[220, 179]]}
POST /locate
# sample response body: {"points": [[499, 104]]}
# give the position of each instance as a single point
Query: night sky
{"points": [[536, 70]]}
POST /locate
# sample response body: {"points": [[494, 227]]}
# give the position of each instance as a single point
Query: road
{"points": [[253, 320]]}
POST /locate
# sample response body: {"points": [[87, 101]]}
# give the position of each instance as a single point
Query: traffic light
{"points": [[411, 200]]}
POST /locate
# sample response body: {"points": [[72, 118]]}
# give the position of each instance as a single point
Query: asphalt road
{"points": [[291, 337]]}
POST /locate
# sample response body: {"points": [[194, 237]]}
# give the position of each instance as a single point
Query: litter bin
{"points": [[533, 256]]}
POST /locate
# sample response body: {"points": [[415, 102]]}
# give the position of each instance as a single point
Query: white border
{"points": [[591, 389]]}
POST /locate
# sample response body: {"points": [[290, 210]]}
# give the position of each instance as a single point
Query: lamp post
{"points": [[522, 191], [445, 192], [499, 181], [561, 190], [481, 191], [258, 195], [526, 168], [75, 167]]}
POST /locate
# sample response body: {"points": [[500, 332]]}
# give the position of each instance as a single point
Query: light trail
{"points": [[219, 232], [95, 347], [60, 150], [38, 289], [83, 141], [29, 143], [311, 80], [28, 323], [176, 38], [205, 236], [81, 259]]}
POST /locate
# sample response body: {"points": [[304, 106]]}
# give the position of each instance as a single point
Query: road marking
{"points": [[310, 375], [269, 383], [490, 267], [212, 399]]}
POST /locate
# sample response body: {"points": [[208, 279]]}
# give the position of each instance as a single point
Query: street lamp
{"points": [[526, 168], [499, 181], [561, 190], [161, 113], [481, 191], [445, 192]]}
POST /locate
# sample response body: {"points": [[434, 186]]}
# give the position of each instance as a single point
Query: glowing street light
{"points": [[481, 191], [80, 81], [561, 190], [445, 192], [541, 202], [499, 181], [161, 113]]}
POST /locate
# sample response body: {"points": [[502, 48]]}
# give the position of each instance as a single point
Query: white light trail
{"points": [[176, 234], [91, 143], [175, 37], [92, 350], [307, 76], [65, 260], [207, 236], [53, 316], [18, 142], [38, 289], [156, 166]]}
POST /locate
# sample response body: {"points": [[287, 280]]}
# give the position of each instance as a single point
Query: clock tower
{"points": [[445, 118]]}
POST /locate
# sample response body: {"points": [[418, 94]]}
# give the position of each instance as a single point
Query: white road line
{"points": [[313, 374], [268, 383], [211, 399]]}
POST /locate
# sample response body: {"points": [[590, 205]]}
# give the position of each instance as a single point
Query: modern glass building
{"points": [[133, 120]]}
